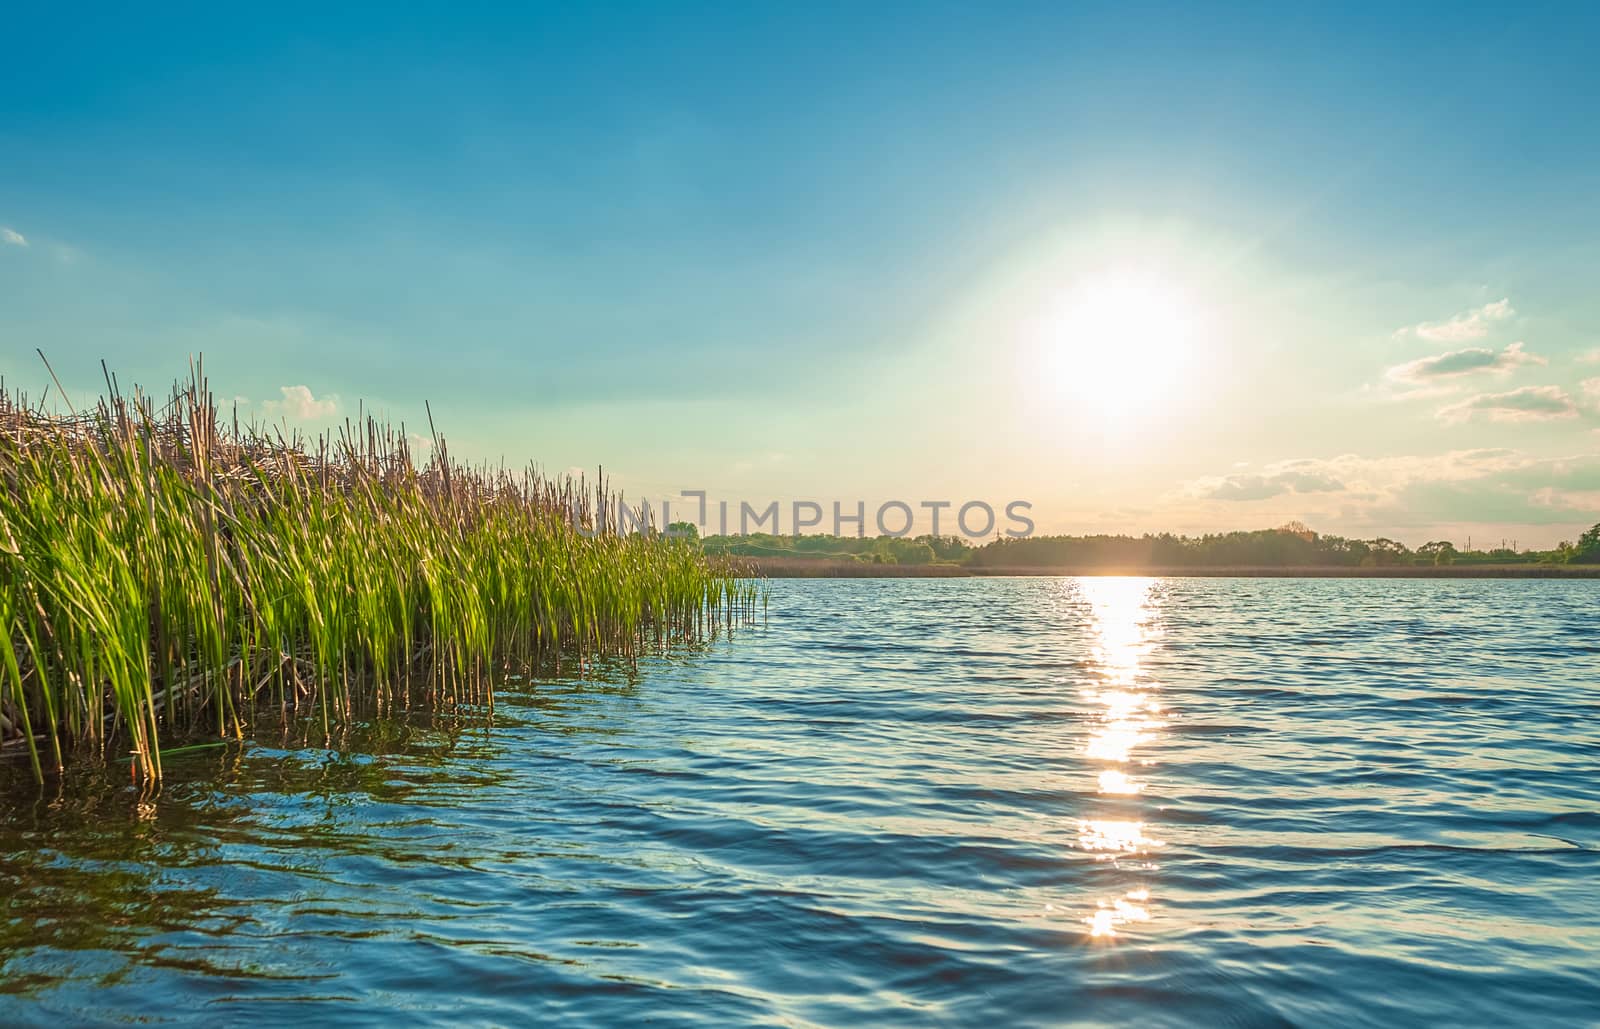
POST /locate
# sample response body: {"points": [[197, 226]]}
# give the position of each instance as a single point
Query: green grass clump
{"points": [[163, 575]]}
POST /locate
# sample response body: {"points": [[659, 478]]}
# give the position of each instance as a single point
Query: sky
{"points": [[1146, 268]]}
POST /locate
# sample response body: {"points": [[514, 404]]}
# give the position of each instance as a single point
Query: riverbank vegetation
{"points": [[164, 574], [1289, 546]]}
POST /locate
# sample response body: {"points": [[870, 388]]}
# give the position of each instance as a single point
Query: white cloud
{"points": [[1276, 480], [12, 236], [1528, 404], [1590, 357], [1462, 362], [1360, 477], [1591, 393], [1473, 324], [1586, 500], [1459, 491], [298, 402]]}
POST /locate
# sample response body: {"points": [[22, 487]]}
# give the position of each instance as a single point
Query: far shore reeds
{"points": [[165, 573]]}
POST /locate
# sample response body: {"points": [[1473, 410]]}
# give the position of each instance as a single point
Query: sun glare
{"points": [[1114, 346]]}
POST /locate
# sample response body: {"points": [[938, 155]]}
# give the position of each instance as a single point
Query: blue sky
{"points": [[835, 251]]}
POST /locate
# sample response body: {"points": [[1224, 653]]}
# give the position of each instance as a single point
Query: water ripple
{"points": [[1017, 802]]}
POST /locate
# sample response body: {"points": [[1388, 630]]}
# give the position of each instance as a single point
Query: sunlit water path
{"points": [[996, 802]]}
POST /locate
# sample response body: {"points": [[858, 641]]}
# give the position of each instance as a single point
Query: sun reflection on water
{"points": [[1108, 837], [1125, 718], [1114, 780], [1118, 607], [1115, 742], [1111, 914]]}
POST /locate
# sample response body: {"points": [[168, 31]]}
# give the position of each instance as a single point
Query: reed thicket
{"points": [[163, 574]]}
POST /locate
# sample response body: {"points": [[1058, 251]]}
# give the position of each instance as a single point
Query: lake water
{"points": [[900, 802]]}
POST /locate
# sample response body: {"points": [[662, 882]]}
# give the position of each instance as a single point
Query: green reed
{"points": [[162, 574]]}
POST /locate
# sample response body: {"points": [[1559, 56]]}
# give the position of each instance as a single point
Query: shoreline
{"points": [[803, 568], [164, 573]]}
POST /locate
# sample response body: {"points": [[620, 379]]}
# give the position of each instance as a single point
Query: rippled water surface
{"points": [[966, 802]]}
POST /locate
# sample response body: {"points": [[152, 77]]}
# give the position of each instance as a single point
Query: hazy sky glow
{"points": [[1147, 268]]}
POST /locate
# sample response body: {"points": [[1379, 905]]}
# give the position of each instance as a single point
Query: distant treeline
{"points": [[1289, 546], [904, 550]]}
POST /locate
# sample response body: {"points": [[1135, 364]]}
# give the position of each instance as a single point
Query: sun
{"points": [[1114, 346]]}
